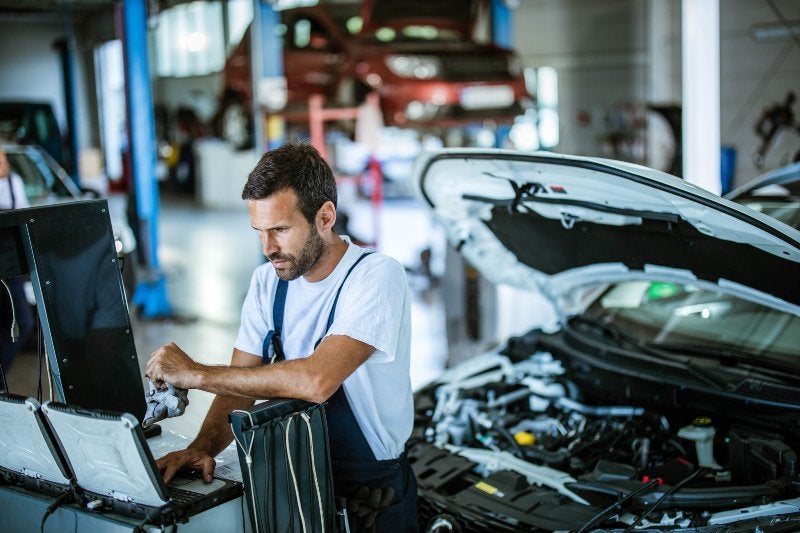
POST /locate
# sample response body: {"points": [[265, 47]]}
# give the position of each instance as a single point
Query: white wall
{"points": [[604, 52], [753, 76], [30, 67], [599, 49]]}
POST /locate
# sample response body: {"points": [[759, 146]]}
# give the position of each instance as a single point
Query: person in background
{"points": [[16, 319]]}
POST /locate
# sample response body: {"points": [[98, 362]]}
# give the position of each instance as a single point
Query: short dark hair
{"points": [[297, 166]]}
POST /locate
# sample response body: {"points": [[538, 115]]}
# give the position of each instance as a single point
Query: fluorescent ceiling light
{"points": [[775, 31]]}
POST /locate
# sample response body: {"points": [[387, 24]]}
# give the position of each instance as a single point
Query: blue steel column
{"points": [[502, 35], [266, 62], [151, 293], [68, 66], [502, 25]]}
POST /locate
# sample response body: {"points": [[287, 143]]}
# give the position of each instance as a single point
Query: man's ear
{"points": [[326, 216]]}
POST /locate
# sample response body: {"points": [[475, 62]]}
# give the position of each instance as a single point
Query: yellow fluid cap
{"points": [[702, 421], [524, 438]]}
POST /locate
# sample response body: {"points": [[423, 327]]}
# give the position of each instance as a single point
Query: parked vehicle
{"points": [[420, 57], [33, 123], [775, 193], [666, 398], [47, 183]]}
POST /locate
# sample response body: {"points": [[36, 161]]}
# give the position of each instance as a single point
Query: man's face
{"points": [[291, 244]]}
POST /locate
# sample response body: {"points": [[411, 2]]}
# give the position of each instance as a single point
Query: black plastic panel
{"points": [[81, 303]]}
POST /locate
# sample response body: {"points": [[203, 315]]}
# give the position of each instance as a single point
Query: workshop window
{"points": [[189, 40]]}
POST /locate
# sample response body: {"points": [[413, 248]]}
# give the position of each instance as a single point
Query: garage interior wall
{"points": [[32, 70], [612, 58], [605, 53]]}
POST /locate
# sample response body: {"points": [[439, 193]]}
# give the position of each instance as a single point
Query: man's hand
{"points": [[174, 461], [170, 364]]}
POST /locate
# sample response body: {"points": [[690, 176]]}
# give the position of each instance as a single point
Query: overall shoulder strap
{"points": [[336, 298], [274, 335], [339, 291]]}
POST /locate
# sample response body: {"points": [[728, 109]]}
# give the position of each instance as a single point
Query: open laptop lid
{"points": [[108, 454], [27, 446]]}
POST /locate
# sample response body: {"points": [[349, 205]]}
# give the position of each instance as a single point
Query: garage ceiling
{"points": [[76, 7]]}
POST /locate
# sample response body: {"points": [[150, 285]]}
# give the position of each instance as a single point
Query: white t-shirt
{"points": [[20, 200], [375, 308]]}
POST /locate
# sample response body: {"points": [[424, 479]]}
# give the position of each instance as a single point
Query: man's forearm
{"points": [[314, 378], [215, 433]]}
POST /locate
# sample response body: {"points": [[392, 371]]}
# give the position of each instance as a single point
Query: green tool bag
{"points": [[286, 466]]}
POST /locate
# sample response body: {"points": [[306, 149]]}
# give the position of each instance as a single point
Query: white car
{"points": [[668, 399]]}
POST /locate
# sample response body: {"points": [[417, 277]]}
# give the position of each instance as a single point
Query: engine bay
{"points": [[506, 442]]}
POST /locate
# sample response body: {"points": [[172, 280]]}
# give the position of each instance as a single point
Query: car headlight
{"points": [[420, 111], [420, 67]]}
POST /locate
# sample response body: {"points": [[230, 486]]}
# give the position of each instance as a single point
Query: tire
{"points": [[236, 124]]}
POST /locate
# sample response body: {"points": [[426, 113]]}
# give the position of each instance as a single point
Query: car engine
{"points": [[509, 443]]}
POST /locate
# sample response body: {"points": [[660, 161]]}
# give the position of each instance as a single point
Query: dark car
{"points": [[33, 123], [418, 56], [667, 396], [776, 193]]}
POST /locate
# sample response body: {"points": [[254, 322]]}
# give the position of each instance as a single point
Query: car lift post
{"points": [[150, 294], [502, 35], [317, 116]]}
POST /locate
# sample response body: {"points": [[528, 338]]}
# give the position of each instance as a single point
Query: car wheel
{"points": [[235, 125]]}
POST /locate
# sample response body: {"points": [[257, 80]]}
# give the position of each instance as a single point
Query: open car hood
{"points": [[554, 223]]}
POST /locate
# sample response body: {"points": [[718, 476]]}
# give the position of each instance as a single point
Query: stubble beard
{"points": [[306, 258]]}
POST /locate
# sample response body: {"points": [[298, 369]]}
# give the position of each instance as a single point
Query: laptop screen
{"points": [[108, 454], [26, 445]]}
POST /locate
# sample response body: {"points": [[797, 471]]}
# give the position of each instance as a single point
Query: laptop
{"points": [[29, 455], [115, 471]]}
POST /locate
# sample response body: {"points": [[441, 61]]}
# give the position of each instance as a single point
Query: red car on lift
{"points": [[421, 58]]}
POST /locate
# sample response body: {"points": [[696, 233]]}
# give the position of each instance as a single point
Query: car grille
{"points": [[471, 68]]}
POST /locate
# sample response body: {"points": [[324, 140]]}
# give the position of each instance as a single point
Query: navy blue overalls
{"points": [[353, 463]]}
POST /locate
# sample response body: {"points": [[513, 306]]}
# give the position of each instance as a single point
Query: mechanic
{"points": [[358, 363], [16, 318]]}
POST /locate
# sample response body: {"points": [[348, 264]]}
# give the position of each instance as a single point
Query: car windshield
{"points": [[40, 181], [780, 201], [670, 315], [350, 22]]}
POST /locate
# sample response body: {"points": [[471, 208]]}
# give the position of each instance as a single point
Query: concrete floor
{"points": [[207, 257]]}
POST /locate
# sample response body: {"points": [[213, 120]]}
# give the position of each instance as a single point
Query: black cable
{"points": [[39, 342], [691, 477], [614, 506], [3, 381], [55, 505]]}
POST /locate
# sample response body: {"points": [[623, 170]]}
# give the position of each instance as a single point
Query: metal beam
{"points": [[150, 293]]}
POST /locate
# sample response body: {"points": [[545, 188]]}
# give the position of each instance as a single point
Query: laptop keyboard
{"points": [[181, 496]]}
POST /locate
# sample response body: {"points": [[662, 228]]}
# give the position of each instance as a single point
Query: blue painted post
{"points": [[267, 64], [503, 35], [68, 60], [151, 293]]}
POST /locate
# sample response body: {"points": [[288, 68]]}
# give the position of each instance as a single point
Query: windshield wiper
{"points": [[651, 350], [606, 329], [729, 358]]}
